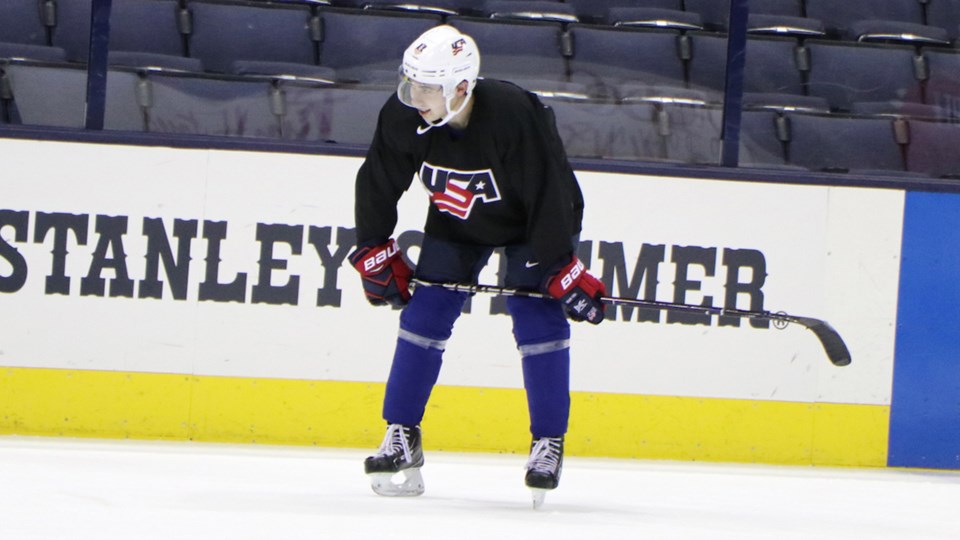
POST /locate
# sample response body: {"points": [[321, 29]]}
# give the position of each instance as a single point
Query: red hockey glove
{"points": [[578, 291], [386, 277]]}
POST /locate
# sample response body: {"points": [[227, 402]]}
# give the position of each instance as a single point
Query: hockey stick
{"points": [[829, 338]]}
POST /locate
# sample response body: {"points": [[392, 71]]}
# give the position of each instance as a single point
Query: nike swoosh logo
{"points": [[529, 264]]}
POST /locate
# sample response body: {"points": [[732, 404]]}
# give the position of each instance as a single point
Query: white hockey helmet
{"points": [[439, 60]]}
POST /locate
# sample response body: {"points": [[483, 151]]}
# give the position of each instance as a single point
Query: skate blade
{"points": [[411, 486], [538, 496]]}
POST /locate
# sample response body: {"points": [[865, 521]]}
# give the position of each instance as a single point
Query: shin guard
{"points": [[425, 326], [543, 338]]}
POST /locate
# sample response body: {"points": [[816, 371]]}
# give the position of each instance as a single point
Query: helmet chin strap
{"points": [[450, 116]]}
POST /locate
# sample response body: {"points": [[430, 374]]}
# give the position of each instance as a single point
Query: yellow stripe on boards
{"points": [[104, 404]]}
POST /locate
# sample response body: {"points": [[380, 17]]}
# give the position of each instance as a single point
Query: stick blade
{"points": [[832, 343]]}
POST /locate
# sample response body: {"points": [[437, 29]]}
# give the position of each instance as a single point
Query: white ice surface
{"points": [[77, 489]]}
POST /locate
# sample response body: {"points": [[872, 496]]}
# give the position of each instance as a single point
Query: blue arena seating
{"points": [[128, 93], [538, 10], [691, 132], [843, 73], [243, 106], [765, 126], [129, 18], [162, 44], [608, 129], [517, 48], [605, 56], [226, 32], [943, 83], [945, 14], [654, 17], [48, 94], [32, 52], [900, 109], [840, 17], [306, 70], [786, 26], [597, 11], [206, 105], [357, 44], [437, 7], [72, 28], [760, 139], [344, 114], [771, 64], [20, 22], [933, 148], [844, 143]]}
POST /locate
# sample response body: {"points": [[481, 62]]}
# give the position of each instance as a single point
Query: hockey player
{"points": [[490, 157]]}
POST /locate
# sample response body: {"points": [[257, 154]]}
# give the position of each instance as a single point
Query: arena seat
{"points": [[130, 18], [51, 94], [773, 101], [20, 23], [842, 143], [294, 108], [943, 82], [344, 114], [771, 64], [608, 56], [536, 10], [511, 48], [844, 72], [162, 44], [654, 17], [225, 32], [209, 105], [691, 132], [124, 99], [287, 71], [435, 7], [799, 28], [945, 14], [607, 129], [840, 17], [933, 148], [598, 11], [760, 143], [355, 43], [900, 109], [32, 52], [151, 61]]}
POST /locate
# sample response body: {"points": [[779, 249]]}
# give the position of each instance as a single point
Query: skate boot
{"points": [[544, 467], [399, 453]]}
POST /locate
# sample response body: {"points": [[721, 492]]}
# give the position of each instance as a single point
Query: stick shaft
{"points": [[830, 339]]}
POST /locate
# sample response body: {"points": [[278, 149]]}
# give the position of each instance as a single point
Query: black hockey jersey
{"points": [[503, 180]]}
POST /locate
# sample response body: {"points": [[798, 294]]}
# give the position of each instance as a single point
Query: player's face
{"points": [[429, 101]]}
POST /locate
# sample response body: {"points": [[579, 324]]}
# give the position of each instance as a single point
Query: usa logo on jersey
{"points": [[455, 192]]}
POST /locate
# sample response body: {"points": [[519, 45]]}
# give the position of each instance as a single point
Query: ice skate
{"points": [[400, 453], [544, 467]]}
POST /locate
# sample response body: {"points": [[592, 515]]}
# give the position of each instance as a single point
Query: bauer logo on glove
{"points": [[579, 292], [385, 275]]}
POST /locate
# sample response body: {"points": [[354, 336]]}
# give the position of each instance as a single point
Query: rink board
{"points": [[108, 330], [122, 405]]}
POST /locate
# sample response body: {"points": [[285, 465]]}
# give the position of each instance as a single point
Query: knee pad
{"points": [[538, 323], [431, 313]]}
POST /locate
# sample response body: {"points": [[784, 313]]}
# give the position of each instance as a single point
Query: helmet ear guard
{"points": [[441, 57]]}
